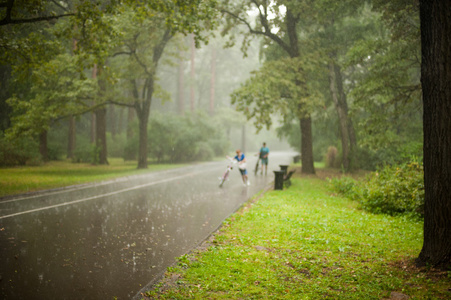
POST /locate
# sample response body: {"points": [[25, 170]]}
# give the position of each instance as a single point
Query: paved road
{"points": [[112, 239]]}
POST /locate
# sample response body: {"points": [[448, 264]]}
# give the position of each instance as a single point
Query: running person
{"points": [[241, 159], [264, 152]]}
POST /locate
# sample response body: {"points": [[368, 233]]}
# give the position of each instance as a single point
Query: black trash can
{"points": [[284, 168], [278, 182]]}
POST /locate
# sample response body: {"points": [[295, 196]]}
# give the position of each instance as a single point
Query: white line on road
{"points": [[99, 196]]}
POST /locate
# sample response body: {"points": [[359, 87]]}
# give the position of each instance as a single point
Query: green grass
{"points": [[305, 243], [56, 174]]}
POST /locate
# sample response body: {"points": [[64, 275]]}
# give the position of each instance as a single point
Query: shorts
{"points": [[264, 161], [243, 171]]}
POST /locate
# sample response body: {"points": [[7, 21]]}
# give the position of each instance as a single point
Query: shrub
{"points": [[85, 152], [188, 138], [395, 189], [204, 152], [116, 144], [392, 190], [348, 187], [19, 151]]}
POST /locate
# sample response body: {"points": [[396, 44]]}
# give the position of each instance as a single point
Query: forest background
{"points": [[163, 82]]}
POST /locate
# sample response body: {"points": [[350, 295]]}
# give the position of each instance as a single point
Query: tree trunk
{"points": [[193, 49], [305, 121], [131, 155], [100, 123], [212, 82], [71, 138], [113, 121], [43, 149], [435, 16], [306, 146], [130, 118], [101, 135], [181, 85], [142, 151], [143, 112], [342, 111], [93, 116]]}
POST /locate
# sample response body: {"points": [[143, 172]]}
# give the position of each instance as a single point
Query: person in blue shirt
{"points": [[264, 152], [241, 159]]}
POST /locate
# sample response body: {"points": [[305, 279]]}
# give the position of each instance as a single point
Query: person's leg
{"points": [[243, 175]]}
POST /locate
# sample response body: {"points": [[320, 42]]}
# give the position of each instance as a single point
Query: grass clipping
{"points": [[306, 243]]}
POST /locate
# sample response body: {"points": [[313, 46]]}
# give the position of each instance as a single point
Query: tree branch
{"points": [[7, 20], [132, 105], [9, 4], [265, 25]]}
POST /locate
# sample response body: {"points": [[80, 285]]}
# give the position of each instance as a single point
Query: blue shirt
{"points": [[264, 151], [240, 158]]}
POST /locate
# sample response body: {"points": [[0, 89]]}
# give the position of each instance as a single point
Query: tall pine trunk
{"points": [[307, 146], [100, 125], [143, 112], [43, 148], [212, 81], [348, 140], [193, 53], [101, 135], [435, 16], [71, 143], [181, 85]]}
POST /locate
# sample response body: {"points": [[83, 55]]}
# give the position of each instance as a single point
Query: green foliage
{"points": [[385, 69], [57, 90], [392, 190], [276, 89], [398, 152], [190, 138], [116, 144], [19, 151], [84, 152]]}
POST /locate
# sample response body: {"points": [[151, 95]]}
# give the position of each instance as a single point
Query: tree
{"points": [[38, 56], [278, 22], [435, 18], [147, 31], [339, 32], [383, 75]]}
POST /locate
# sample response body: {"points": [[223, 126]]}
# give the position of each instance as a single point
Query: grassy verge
{"points": [[64, 173], [306, 243]]}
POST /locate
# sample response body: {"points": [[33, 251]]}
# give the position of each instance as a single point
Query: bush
{"points": [[204, 152], [180, 139], [348, 187], [20, 151], [395, 189], [85, 152], [116, 144], [392, 190]]}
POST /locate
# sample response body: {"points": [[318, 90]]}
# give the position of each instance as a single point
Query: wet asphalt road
{"points": [[114, 238]]}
